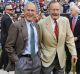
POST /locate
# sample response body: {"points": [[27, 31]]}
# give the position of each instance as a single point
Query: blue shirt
{"points": [[28, 49], [76, 18]]}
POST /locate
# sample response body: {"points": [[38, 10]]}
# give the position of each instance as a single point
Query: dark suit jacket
{"points": [[76, 33], [5, 24], [17, 39]]}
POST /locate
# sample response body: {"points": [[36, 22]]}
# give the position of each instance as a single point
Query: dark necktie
{"points": [[73, 23], [32, 41], [56, 30]]}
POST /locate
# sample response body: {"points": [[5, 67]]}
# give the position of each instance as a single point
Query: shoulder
{"points": [[6, 17], [44, 20], [17, 23], [63, 19]]}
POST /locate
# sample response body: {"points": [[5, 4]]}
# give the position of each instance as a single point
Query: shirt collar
{"points": [[27, 22], [52, 21], [76, 17]]}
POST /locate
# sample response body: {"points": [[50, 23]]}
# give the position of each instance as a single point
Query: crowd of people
{"points": [[40, 40]]}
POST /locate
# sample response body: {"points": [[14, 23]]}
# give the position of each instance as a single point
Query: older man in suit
{"points": [[22, 43], [55, 33], [75, 27], [6, 21]]}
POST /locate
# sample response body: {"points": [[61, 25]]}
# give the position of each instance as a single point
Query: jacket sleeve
{"points": [[10, 43], [70, 39]]}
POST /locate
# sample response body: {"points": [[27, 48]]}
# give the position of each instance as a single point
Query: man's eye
{"points": [[30, 10]]}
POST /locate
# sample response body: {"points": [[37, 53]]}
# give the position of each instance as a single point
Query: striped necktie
{"points": [[56, 30]]}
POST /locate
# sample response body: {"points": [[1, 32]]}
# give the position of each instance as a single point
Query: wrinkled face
{"points": [[54, 10], [30, 12]]}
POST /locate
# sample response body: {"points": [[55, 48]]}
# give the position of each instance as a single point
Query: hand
{"points": [[74, 59], [75, 38]]}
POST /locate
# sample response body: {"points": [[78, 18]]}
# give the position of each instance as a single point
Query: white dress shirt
{"points": [[52, 23], [28, 47]]}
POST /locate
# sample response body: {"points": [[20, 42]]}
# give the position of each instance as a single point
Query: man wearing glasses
{"points": [[5, 24]]}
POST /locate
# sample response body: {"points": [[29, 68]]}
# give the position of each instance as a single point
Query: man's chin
{"points": [[55, 17], [29, 20]]}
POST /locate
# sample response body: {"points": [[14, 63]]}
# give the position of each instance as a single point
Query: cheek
{"points": [[26, 12]]}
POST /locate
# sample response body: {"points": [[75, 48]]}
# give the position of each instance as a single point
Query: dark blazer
{"points": [[76, 33], [17, 39], [5, 24]]}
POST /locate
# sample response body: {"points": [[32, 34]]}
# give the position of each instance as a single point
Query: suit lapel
{"points": [[38, 32], [61, 28], [70, 22], [24, 29], [37, 28], [77, 22], [49, 27]]}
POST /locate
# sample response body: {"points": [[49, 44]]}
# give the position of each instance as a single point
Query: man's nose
{"points": [[55, 11], [30, 11]]}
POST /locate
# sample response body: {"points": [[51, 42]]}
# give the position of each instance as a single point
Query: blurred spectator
{"points": [[5, 24], [71, 4], [21, 16], [1, 7], [45, 11], [66, 7], [15, 17], [41, 3], [78, 4], [18, 9], [0, 20], [75, 26], [73, 1]]}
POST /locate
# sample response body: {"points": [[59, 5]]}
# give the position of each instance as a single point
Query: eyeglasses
{"points": [[10, 9]]}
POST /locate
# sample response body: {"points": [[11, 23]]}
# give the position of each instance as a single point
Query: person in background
{"points": [[55, 32], [6, 21], [75, 27], [66, 7], [15, 17], [18, 9], [73, 1], [2, 7]]}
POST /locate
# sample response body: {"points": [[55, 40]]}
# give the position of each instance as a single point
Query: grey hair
{"points": [[51, 2], [28, 4], [75, 7]]}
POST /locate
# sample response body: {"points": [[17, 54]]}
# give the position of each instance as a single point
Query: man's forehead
{"points": [[31, 5], [55, 4]]}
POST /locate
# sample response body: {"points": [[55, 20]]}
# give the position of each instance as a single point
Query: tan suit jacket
{"points": [[17, 39], [49, 41]]}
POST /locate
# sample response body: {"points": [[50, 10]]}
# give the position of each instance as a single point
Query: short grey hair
{"points": [[52, 2], [75, 7], [28, 4]]}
